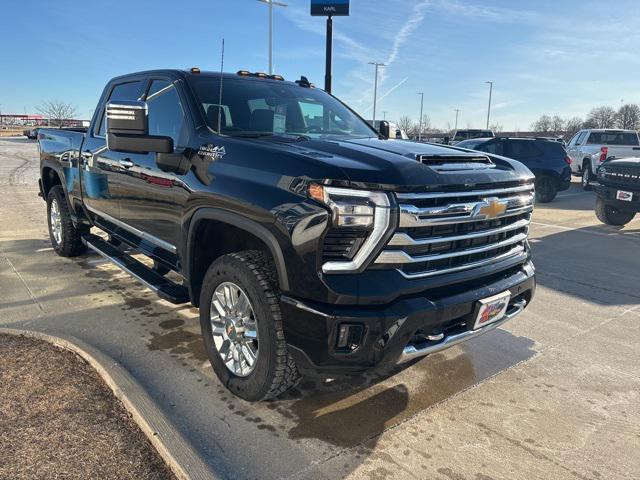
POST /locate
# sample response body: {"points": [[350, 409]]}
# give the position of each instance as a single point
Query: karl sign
{"points": [[329, 7]]}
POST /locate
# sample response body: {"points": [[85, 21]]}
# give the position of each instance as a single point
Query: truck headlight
{"points": [[370, 211]]}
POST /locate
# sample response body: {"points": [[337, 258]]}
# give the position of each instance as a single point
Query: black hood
{"points": [[633, 162], [394, 164], [381, 164]]}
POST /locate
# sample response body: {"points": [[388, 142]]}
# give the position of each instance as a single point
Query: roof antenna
{"points": [[220, 99]]}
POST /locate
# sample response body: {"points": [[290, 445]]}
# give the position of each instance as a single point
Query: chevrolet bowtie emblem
{"points": [[490, 208]]}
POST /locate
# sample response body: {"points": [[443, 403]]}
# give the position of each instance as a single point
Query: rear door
{"points": [[101, 188], [153, 200]]}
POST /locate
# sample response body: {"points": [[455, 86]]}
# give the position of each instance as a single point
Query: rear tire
{"points": [[612, 216], [546, 189], [275, 371], [65, 237], [587, 175]]}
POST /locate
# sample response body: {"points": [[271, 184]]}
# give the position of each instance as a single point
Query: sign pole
{"points": [[328, 66]]}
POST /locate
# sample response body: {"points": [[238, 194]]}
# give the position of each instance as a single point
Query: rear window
{"points": [[468, 134], [613, 138], [523, 149], [122, 91]]}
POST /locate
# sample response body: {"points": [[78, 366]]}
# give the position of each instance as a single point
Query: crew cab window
{"points": [[166, 114], [122, 91], [613, 138], [495, 147], [523, 149], [580, 138]]}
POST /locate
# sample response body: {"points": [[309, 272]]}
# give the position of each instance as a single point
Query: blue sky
{"points": [[544, 56]]}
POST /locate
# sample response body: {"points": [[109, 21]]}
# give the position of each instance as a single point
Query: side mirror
{"points": [[384, 129], [128, 129]]}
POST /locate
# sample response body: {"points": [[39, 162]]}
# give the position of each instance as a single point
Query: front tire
{"points": [[612, 216], [65, 237], [586, 175], [241, 323], [546, 189]]}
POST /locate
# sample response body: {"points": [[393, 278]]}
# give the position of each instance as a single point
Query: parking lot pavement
{"points": [[554, 394]]}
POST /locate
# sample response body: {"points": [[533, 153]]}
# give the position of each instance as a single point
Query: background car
{"points": [[547, 159], [31, 133], [589, 148]]}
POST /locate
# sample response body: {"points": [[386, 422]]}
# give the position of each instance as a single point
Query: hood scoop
{"points": [[455, 162]]}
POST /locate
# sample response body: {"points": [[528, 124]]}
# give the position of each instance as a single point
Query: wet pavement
{"points": [[554, 394]]}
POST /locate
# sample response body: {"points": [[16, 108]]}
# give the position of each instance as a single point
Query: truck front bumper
{"points": [[406, 329], [608, 194]]}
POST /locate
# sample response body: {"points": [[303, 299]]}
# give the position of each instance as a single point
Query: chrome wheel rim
{"points": [[56, 222], [234, 328]]}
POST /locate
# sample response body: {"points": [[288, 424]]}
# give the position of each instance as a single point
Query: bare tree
{"points": [[496, 128], [572, 126], [601, 117], [557, 125], [405, 123], [56, 111], [628, 117], [543, 124], [426, 124]]}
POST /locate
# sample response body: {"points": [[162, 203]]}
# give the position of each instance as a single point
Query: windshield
{"points": [[266, 108]]}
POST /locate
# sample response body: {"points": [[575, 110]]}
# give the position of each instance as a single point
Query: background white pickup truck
{"points": [[589, 148]]}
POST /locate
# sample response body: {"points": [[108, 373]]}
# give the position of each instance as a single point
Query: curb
{"points": [[178, 454]]}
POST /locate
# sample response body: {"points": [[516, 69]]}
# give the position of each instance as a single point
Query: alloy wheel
{"points": [[56, 221], [234, 328]]}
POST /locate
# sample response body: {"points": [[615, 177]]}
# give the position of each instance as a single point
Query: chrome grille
{"points": [[443, 232]]}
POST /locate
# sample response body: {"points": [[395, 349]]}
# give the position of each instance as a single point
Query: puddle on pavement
{"points": [[180, 342], [348, 412]]}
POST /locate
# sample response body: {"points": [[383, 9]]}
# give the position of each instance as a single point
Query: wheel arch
{"points": [[199, 257], [50, 177]]}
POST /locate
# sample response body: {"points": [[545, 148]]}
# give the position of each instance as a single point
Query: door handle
{"points": [[126, 163]]}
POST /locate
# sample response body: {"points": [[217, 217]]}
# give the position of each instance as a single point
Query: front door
{"points": [[152, 201]]}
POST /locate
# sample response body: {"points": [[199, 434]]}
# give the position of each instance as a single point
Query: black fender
{"points": [[58, 170], [243, 223]]}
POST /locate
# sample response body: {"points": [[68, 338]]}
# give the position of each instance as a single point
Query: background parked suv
{"points": [[589, 148], [547, 159]]}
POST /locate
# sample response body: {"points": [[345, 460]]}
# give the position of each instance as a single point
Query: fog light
{"points": [[349, 336]]}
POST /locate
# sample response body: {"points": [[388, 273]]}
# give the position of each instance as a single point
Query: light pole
{"points": [[375, 90], [457, 110], [271, 3], [489, 107], [421, 106], [384, 114]]}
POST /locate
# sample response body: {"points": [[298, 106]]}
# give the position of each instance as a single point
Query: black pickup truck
{"points": [[618, 191], [311, 243]]}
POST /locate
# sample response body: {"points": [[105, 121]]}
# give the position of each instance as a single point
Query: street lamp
{"points": [[457, 110], [271, 3], [375, 90], [421, 105], [489, 107]]}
